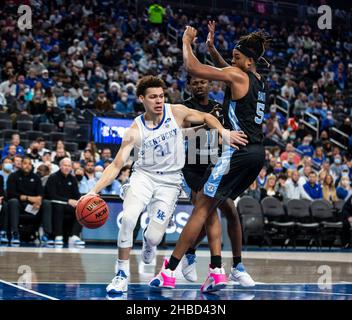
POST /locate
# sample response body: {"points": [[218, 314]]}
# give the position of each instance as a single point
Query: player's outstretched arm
{"points": [[112, 170], [230, 75], [184, 114], [218, 60]]}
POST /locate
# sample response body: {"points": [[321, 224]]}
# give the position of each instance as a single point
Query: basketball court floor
{"points": [[82, 274]]}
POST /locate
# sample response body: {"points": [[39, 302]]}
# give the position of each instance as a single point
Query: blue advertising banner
{"points": [[109, 130]]}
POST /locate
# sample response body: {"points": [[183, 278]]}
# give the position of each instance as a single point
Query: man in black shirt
{"points": [[62, 189], [25, 196]]}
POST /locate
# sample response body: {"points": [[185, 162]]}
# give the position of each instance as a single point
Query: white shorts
{"points": [[156, 193]]}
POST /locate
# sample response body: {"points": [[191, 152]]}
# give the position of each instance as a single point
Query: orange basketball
{"points": [[92, 212]]}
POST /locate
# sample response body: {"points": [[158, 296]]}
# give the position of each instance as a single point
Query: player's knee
{"points": [[153, 236], [125, 238]]}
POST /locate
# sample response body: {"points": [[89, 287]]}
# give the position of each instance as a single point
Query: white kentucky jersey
{"points": [[162, 148]]}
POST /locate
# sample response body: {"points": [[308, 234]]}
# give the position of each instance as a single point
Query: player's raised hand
{"points": [[190, 35], [211, 33]]}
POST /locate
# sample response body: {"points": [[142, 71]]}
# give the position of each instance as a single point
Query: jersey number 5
{"points": [[260, 113]]}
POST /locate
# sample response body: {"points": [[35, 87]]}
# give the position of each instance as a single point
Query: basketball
{"points": [[92, 212]]}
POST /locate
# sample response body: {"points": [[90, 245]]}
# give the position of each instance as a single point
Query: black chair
{"points": [[5, 116], [24, 126], [55, 136], [5, 124], [305, 228], [276, 220], [71, 147], [251, 215], [84, 133], [330, 225], [338, 205], [71, 131], [24, 117], [7, 133], [32, 135], [47, 127]]}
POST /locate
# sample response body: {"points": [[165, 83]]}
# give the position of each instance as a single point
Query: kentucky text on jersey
{"points": [[163, 137]]}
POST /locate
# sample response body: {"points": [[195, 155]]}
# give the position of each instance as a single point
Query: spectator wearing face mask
{"points": [[123, 106], [33, 152], [85, 100], [114, 92], [344, 189], [336, 167], [7, 169], [66, 99], [328, 121], [289, 164], [305, 148], [45, 80]]}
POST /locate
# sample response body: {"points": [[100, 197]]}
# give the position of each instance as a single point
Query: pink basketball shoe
{"points": [[215, 281], [164, 279]]}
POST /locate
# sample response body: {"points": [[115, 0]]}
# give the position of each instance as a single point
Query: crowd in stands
{"points": [[84, 56]]}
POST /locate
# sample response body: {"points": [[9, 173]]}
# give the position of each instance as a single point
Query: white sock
{"points": [[123, 265]]}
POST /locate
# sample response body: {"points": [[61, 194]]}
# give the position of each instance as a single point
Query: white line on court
{"points": [[28, 290], [344, 257]]}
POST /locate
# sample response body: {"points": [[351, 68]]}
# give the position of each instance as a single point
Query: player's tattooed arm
{"points": [[216, 57], [130, 139]]}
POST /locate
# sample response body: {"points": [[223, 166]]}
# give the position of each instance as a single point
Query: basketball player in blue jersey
{"points": [[235, 170], [157, 176], [196, 172]]}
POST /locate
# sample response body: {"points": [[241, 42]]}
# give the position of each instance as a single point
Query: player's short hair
{"points": [[148, 82]]}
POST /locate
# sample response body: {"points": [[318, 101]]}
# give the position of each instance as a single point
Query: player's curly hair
{"points": [[255, 42], [148, 82]]}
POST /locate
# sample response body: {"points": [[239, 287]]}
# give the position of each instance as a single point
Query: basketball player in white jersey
{"points": [[156, 178]]}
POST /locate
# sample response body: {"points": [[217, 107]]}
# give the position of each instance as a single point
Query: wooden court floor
{"points": [[71, 273]]}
